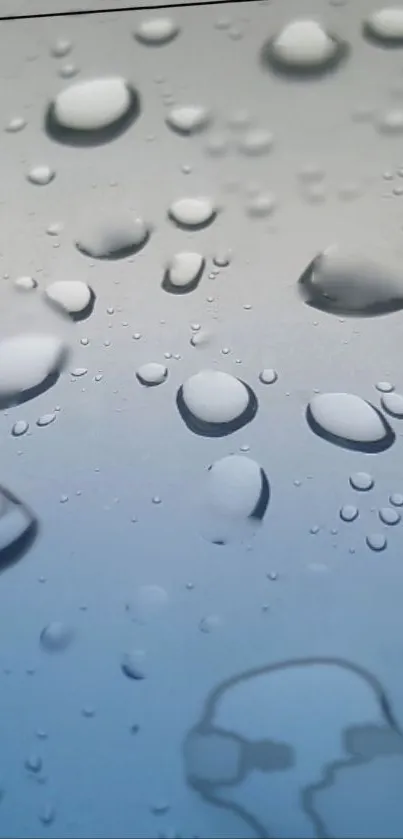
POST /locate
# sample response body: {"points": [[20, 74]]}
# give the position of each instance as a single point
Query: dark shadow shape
{"points": [[119, 253], [368, 448], [76, 317], [269, 61], [212, 429], [96, 137], [151, 384], [377, 41], [13, 399], [166, 284], [259, 512], [314, 298], [11, 554], [192, 227], [155, 44]]}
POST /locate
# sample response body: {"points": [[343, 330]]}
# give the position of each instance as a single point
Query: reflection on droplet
{"points": [[362, 481], [304, 47], [389, 516], [348, 421], [113, 236], [152, 374], [376, 541], [19, 428], [183, 273], [385, 26], [92, 112], [348, 513], [157, 31], [41, 175], [268, 376], [256, 141], [61, 48], [29, 363], [25, 283], [15, 124], [73, 297], [188, 119], [45, 419], [213, 403], [392, 403], [192, 212], [56, 637], [132, 665]]}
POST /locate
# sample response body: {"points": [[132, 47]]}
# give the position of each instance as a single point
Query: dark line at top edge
{"points": [[147, 8]]}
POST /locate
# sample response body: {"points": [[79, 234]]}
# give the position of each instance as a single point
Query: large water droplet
{"points": [[350, 422], [113, 236], [41, 175], [303, 47], [385, 26], [92, 112], [152, 374], [132, 665], [237, 497], [188, 119], [29, 364], [193, 213], [56, 637], [156, 32], [214, 404], [73, 297], [184, 273], [18, 528], [393, 404], [344, 283]]}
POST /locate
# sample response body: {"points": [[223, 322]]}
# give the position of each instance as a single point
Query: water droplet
{"points": [[200, 339], [113, 236], [19, 428], [88, 712], [92, 112], [183, 273], [61, 48], [261, 205], [217, 145], [384, 387], [73, 297], [396, 499], [348, 421], [223, 23], [29, 363], [15, 124], [209, 624], [188, 119], [362, 481], [311, 173], [213, 403], [78, 372], [41, 175], [156, 499], [67, 71], [345, 283], [47, 815], [385, 26], [222, 258], [132, 665], [148, 602], [192, 212], [376, 541], [268, 376], [348, 513], [237, 497], [314, 530], [45, 419], [56, 637], [33, 763], [25, 283], [151, 374], [157, 31], [392, 403], [389, 516], [256, 141], [304, 46], [391, 122]]}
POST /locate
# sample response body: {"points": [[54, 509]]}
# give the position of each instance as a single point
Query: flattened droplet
{"points": [[157, 31], [41, 175], [18, 528], [343, 283], [113, 236], [15, 124], [392, 403], [56, 637], [92, 112], [73, 297], [193, 212], [45, 419], [348, 421], [152, 374], [184, 272], [29, 364], [303, 47], [214, 404], [188, 119], [385, 26]]}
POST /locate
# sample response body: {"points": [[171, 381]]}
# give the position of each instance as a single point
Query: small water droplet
{"points": [[25, 283], [268, 376], [33, 763], [15, 124], [61, 48], [392, 403], [362, 481], [396, 498], [47, 815], [222, 258], [67, 71], [376, 541], [188, 119], [348, 513], [41, 175], [209, 624], [132, 665], [192, 212], [151, 374], [384, 387], [257, 141], [157, 31], [45, 419], [19, 428], [389, 516], [56, 637]]}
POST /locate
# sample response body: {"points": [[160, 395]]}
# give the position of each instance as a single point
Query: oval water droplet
{"points": [[92, 112], [392, 403], [344, 283], [362, 481], [268, 376], [376, 541], [45, 419], [348, 513], [41, 175], [255, 142], [113, 236], [396, 499], [157, 31], [303, 47], [384, 387], [148, 602], [183, 273], [152, 374], [33, 763], [389, 516], [15, 124], [29, 364], [192, 213], [67, 71], [47, 815], [78, 372], [56, 637], [261, 205], [188, 119], [19, 428], [214, 404], [348, 421], [61, 48], [132, 665], [73, 297], [385, 26]]}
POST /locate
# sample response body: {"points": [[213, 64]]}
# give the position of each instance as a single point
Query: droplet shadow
{"points": [[270, 61], [210, 429], [351, 445], [96, 137], [169, 287]]}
